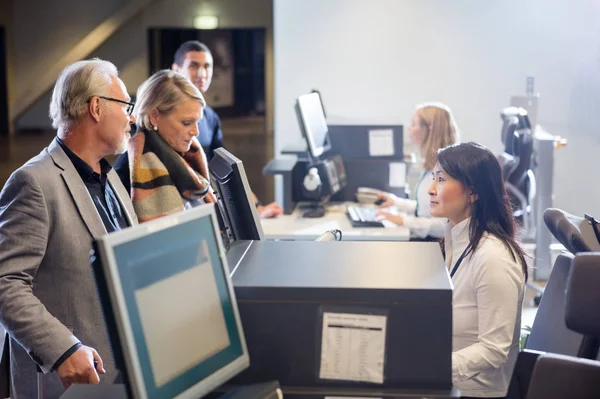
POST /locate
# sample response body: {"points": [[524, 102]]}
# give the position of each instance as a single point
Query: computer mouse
{"points": [[379, 201]]}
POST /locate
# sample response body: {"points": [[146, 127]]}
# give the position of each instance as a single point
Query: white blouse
{"points": [[418, 219], [486, 313]]}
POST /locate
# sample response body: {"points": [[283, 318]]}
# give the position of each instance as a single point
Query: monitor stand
{"points": [[266, 390]]}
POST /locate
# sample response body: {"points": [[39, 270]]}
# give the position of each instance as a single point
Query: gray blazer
{"points": [[48, 295]]}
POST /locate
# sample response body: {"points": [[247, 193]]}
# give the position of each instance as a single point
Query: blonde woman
{"points": [[432, 127], [165, 169]]}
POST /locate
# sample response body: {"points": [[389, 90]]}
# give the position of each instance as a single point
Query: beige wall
{"points": [[374, 60]]}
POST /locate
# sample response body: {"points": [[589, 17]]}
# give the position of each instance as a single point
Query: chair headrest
{"points": [[583, 295], [513, 118], [575, 233]]}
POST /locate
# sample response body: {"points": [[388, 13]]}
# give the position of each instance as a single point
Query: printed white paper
{"points": [[381, 142], [353, 347]]}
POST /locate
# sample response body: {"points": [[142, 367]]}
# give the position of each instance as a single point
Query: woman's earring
{"points": [[155, 128]]}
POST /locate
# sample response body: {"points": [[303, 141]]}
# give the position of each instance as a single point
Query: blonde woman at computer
{"points": [[432, 127]]}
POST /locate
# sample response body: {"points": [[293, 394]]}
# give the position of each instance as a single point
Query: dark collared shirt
{"points": [[106, 202]]}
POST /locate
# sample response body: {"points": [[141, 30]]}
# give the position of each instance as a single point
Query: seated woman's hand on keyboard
{"points": [[386, 200], [396, 219]]}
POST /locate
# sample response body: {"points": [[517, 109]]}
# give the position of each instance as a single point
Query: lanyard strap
{"points": [[458, 262]]}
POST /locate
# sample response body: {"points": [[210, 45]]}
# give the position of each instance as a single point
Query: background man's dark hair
{"points": [[191, 45]]}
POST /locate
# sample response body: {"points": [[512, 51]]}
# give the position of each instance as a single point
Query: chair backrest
{"points": [[507, 164], [517, 138], [559, 377], [550, 375], [549, 332], [513, 119], [523, 150], [577, 234], [583, 295], [555, 376]]}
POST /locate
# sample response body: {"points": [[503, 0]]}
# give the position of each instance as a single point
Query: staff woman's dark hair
{"points": [[478, 170]]}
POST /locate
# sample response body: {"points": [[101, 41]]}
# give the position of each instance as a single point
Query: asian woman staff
{"points": [[486, 264]]}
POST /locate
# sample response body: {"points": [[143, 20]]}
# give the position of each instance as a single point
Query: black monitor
{"points": [[235, 201], [170, 307], [312, 122]]}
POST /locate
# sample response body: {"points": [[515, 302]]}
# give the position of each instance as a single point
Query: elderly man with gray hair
{"points": [[50, 210]]}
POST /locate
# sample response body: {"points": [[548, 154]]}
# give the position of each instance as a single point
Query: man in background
{"points": [[194, 60]]}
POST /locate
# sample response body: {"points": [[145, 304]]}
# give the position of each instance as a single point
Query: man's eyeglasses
{"points": [[130, 106]]}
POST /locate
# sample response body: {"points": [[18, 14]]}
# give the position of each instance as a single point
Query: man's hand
{"points": [[269, 211], [79, 368], [210, 197]]}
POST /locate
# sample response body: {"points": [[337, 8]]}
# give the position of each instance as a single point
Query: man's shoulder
{"points": [[40, 169], [38, 166], [210, 114], [209, 110], [31, 183]]}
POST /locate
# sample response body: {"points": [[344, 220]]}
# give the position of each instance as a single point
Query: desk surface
{"points": [[323, 270], [295, 227], [119, 392]]}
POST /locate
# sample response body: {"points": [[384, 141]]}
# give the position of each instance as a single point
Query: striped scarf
{"points": [[161, 178]]}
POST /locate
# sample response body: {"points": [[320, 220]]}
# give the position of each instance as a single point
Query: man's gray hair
{"points": [[75, 86]]}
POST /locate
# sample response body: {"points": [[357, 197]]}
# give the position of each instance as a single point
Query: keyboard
{"points": [[363, 217]]}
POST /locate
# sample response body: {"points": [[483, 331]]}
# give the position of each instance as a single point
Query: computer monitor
{"points": [[312, 122], [320, 100], [170, 307], [235, 201]]}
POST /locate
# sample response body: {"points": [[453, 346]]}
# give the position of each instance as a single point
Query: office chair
{"points": [[577, 234], [560, 377], [584, 277], [516, 165], [556, 376], [549, 332], [574, 233], [583, 296]]}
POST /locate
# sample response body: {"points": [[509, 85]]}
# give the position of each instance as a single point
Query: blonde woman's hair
{"points": [[163, 91], [441, 131]]}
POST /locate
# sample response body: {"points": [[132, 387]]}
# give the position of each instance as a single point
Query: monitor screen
{"points": [[313, 124], [234, 197], [170, 307]]}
